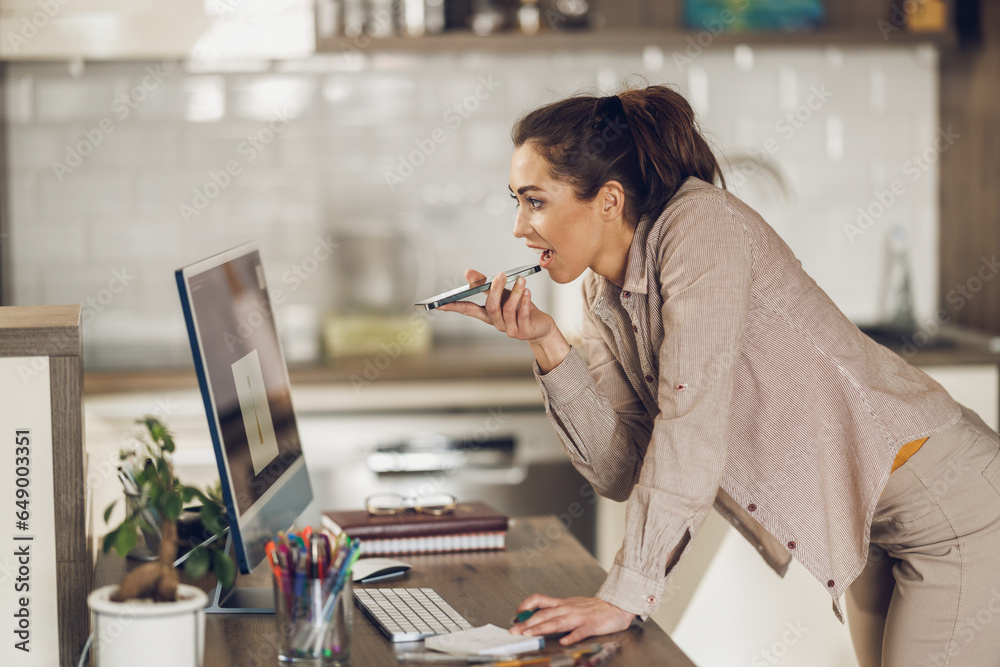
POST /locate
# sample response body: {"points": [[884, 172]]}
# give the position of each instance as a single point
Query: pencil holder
{"points": [[314, 620]]}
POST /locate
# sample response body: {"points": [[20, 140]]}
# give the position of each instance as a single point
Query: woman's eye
{"points": [[534, 203]]}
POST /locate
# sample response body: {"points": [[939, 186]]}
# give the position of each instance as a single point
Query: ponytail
{"points": [[647, 139]]}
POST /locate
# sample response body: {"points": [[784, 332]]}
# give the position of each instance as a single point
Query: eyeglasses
{"points": [[388, 504]]}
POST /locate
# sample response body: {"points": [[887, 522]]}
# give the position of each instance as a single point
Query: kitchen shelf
{"points": [[624, 40]]}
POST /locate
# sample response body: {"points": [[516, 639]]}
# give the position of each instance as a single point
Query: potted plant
{"points": [[151, 613]]}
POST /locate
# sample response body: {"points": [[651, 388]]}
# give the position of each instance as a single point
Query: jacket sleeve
{"points": [[603, 425], [705, 281]]}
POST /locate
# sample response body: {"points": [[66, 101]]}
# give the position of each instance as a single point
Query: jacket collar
{"points": [[635, 263]]}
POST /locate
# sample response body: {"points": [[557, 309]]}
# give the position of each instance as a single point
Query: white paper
{"points": [[256, 411], [28, 587], [484, 640]]}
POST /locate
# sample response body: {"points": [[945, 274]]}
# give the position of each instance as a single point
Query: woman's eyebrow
{"points": [[525, 188]]}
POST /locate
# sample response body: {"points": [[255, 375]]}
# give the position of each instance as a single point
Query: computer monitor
{"points": [[244, 383]]}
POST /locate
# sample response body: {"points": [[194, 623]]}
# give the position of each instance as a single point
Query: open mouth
{"points": [[546, 259]]}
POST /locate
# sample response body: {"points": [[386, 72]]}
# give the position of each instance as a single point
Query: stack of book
{"points": [[469, 527]]}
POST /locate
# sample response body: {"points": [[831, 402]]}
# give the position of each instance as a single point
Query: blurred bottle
{"points": [[329, 18], [566, 14], [435, 18], [414, 19], [381, 19], [354, 17], [488, 16], [897, 290], [529, 17]]}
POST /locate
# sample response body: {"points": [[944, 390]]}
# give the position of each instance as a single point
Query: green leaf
{"points": [[154, 427], [154, 491], [205, 500], [125, 539], [168, 442], [143, 522], [109, 540], [172, 506], [210, 518], [187, 493], [225, 570], [197, 563], [107, 512]]}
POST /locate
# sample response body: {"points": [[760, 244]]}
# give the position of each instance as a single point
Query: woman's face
{"points": [[567, 232]]}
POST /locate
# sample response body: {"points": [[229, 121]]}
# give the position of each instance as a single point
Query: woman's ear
{"points": [[612, 197]]}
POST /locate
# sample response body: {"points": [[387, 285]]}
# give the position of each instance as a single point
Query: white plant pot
{"points": [[160, 634]]}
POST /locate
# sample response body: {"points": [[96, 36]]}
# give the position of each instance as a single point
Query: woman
{"points": [[719, 372]]}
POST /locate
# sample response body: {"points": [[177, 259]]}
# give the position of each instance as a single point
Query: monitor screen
{"points": [[245, 386]]}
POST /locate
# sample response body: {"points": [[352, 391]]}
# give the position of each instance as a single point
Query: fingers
{"points": [[469, 309], [494, 299], [524, 310], [579, 617], [509, 311], [538, 601], [474, 278], [577, 635], [512, 308], [547, 621]]}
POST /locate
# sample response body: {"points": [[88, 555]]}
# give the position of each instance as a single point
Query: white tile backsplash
{"points": [[840, 126]]}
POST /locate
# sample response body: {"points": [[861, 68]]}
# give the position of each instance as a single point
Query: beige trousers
{"points": [[930, 594]]}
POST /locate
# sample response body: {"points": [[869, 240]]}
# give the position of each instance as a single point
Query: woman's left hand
{"points": [[580, 617]]}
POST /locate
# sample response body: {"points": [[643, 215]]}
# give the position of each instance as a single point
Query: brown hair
{"points": [[646, 139]]}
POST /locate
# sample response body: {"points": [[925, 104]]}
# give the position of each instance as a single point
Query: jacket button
{"points": [[681, 387], [626, 295], [635, 328], [791, 545], [752, 507], [649, 378], [830, 583], [651, 599]]}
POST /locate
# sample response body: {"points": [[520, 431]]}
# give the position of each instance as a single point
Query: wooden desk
{"points": [[485, 587]]}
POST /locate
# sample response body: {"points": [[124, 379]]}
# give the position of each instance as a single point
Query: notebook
{"points": [[471, 526]]}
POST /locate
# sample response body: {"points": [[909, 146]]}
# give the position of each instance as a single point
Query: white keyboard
{"points": [[409, 614]]}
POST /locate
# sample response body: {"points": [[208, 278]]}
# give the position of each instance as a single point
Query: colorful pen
{"points": [[272, 557]]}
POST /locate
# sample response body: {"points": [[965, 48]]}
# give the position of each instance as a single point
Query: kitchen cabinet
{"points": [[146, 29], [976, 386]]}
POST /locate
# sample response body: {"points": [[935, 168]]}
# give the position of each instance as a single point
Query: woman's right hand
{"points": [[510, 311]]}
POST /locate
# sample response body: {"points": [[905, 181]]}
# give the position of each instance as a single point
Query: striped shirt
{"points": [[721, 373]]}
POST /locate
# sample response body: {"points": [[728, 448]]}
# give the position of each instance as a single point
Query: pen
{"points": [[447, 657], [598, 659], [272, 558], [565, 659]]}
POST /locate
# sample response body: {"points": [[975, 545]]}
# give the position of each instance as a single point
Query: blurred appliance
{"points": [[382, 268]]}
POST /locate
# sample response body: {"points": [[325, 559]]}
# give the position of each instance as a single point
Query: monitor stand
{"points": [[238, 600]]}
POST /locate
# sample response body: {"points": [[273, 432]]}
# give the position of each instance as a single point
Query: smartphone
{"points": [[460, 293]]}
